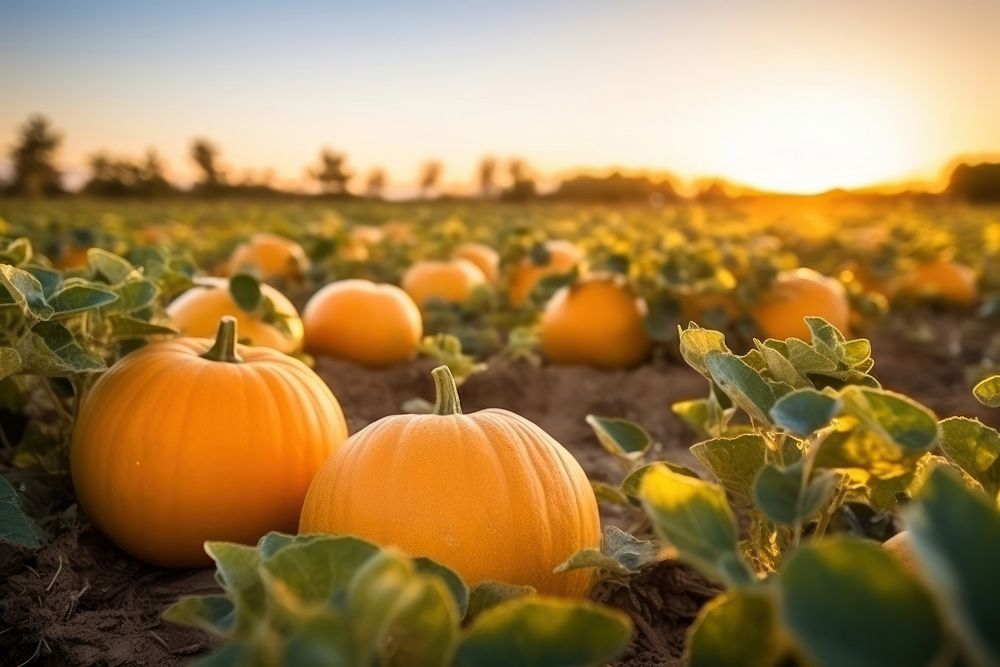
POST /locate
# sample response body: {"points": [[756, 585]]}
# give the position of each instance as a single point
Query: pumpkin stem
{"points": [[446, 402], [224, 348]]}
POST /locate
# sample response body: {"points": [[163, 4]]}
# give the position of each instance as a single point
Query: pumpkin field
{"points": [[740, 431]]}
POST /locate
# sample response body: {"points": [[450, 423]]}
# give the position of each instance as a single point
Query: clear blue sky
{"points": [[797, 95]]}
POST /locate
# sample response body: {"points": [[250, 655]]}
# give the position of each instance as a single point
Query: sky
{"points": [[791, 95]]}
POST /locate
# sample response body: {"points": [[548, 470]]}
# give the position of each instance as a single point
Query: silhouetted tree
{"points": [[376, 183], [33, 155], [487, 175], [430, 174], [119, 177], [332, 173], [522, 185], [616, 187], [978, 183], [206, 155]]}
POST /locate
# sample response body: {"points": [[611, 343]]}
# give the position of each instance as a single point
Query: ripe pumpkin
{"points": [[488, 494], [597, 321], [452, 281], [373, 325], [942, 279], [190, 440], [271, 256], [197, 311], [483, 256], [796, 295], [563, 257]]}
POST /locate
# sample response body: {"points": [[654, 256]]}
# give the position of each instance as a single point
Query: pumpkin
{"points": [[197, 311], [270, 256], [452, 281], [488, 494], [942, 279], [373, 325], [191, 439], [563, 257], [597, 321], [483, 256], [798, 294]]}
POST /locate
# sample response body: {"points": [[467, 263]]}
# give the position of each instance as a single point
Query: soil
{"points": [[80, 601]]}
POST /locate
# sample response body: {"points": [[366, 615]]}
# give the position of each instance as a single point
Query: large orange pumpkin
{"points": [[488, 494], [270, 256], [563, 257], [942, 279], [452, 281], [798, 294], [483, 256], [190, 440], [373, 325], [598, 321], [197, 311]]}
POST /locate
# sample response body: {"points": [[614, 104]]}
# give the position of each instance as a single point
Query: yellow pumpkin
{"points": [[488, 494], [189, 440], [271, 256], [598, 321], [452, 281], [942, 279], [373, 325], [798, 294], [563, 257], [483, 256], [197, 311]]}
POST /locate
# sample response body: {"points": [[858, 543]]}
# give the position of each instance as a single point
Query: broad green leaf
{"points": [[489, 594], [804, 411], [975, 448], [78, 296], [849, 602], [274, 542], [737, 629], [211, 613], [620, 437], [987, 392], [24, 290], [608, 493], [780, 494], [459, 591], [808, 360], [10, 362], [956, 536], [246, 292], [237, 570], [323, 640], [632, 484], [696, 344], [620, 553], [310, 573], [18, 252], [742, 384], [908, 424], [235, 655], [780, 368], [49, 279], [549, 633], [15, 526], [734, 461], [694, 517], [114, 269], [123, 326], [51, 350], [135, 295], [695, 414], [824, 332]]}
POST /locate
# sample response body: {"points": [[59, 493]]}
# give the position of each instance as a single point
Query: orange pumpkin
{"points": [[71, 257], [563, 257], [798, 294], [488, 494], [598, 321], [373, 325], [197, 312], [271, 256], [483, 256], [452, 281], [942, 279], [189, 440]]}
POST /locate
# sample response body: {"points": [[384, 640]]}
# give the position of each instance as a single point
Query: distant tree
{"points": [[206, 155], [487, 176], [376, 183], [33, 155], [978, 183], [616, 188], [522, 185], [119, 177], [332, 173], [430, 175], [153, 181]]}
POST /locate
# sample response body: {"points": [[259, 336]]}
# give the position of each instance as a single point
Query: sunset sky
{"points": [[793, 95]]}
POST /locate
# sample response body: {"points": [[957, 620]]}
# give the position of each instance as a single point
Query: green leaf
{"points": [[695, 414], [320, 641], [238, 574], [489, 594], [694, 517], [742, 384], [620, 437], [908, 424], [15, 526], [549, 633], [849, 602], [956, 536], [459, 591], [736, 629], [114, 269], [734, 461], [10, 362], [632, 484], [804, 411], [245, 289], [123, 326], [136, 295], [49, 279], [78, 296], [24, 290], [608, 493], [987, 392], [975, 448], [52, 351], [697, 343], [211, 613], [315, 570], [779, 493], [620, 553]]}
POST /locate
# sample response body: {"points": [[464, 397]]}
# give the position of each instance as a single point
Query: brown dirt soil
{"points": [[80, 601]]}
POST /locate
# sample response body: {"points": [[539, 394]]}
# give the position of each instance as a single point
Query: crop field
{"points": [[747, 431]]}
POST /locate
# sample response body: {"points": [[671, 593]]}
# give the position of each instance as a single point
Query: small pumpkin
{"points": [[483, 256], [798, 294], [942, 279], [270, 256], [488, 494], [370, 324], [197, 311], [191, 439], [452, 281], [562, 257], [597, 321]]}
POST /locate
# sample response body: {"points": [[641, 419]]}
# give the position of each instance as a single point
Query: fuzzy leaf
{"points": [[620, 437], [20, 288], [737, 629], [76, 297], [489, 594], [212, 613], [15, 526], [52, 351], [804, 411], [987, 392], [742, 384], [114, 269], [975, 448], [779, 493], [734, 461], [696, 344], [620, 553]]}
